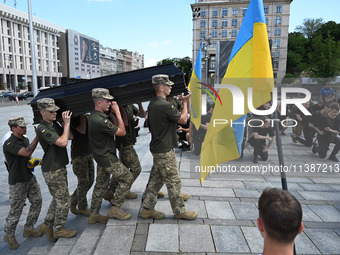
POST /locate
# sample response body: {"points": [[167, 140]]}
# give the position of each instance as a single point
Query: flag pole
{"points": [[280, 152], [280, 156]]}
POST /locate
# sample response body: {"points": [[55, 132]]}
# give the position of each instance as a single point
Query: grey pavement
{"points": [[226, 202]]}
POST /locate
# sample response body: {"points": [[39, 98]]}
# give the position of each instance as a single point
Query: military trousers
{"points": [[17, 197], [120, 173], [83, 168], [129, 158], [164, 171], [57, 184]]}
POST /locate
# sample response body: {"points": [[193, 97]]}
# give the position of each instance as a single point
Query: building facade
{"points": [[137, 61], [15, 51], [114, 61], [218, 21]]}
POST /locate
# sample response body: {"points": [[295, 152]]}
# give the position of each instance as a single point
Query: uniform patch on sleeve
{"points": [[108, 123], [8, 143], [43, 130], [172, 106]]}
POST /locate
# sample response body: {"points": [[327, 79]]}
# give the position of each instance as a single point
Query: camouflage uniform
{"points": [[163, 117], [102, 142], [53, 168], [17, 197], [124, 179], [22, 183], [58, 210], [129, 158], [83, 168], [82, 164], [164, 171], [127, 154]]}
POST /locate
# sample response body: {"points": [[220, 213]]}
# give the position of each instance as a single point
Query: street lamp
{"points": [[196, 12], [9, 58], [207, 40], [9, 78]]}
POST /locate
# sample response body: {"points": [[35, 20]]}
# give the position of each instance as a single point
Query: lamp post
{"points": [[33, 62], [9, 78], [196, 12], [207, 40]]}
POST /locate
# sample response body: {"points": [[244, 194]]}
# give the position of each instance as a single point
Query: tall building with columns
{"points": [[217, 23], [15, 52]]}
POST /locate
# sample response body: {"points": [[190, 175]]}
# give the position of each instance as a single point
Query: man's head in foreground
{"points": [[280, 218]]}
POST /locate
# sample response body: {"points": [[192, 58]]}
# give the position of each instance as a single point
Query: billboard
{"points": [[83, 56]]}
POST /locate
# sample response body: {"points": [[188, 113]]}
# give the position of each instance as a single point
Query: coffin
{"points": [[127, 88]]}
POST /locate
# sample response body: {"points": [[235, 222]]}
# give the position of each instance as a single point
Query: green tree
{"points": [[309, 27], [184, 64], [325, 57], [297, 57], [331, 28]]}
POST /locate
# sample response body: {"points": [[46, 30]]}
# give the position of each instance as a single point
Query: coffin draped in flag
{"points": [[195, 88], [249, 66]]}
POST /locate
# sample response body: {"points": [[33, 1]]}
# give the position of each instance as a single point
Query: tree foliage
{"points": [[309, 27], [314, 49], [184, 64]]}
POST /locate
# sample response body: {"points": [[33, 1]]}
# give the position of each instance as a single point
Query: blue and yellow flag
{"points": [[195, 87], [249, 66]]}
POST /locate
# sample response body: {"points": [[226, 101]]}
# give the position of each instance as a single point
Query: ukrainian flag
{"points": [[249, 66], [195, 88]]}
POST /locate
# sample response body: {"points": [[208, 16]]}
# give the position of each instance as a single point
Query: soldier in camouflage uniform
{"points": [[127, 154], [101, 137], [22, 183], [163, 118], [53, 138], [82, 163]]}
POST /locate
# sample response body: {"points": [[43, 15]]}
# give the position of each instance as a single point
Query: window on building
{"points": [[214, 34], [278, 8], [275, 75], [267, 21], [224, 33], [277, 31], [214, 23], [212, 64], [235, 11], [202, 23], [278, 20], [234, 22], [277, 54], [224, 12], [277, 42], [224, 22], [244, 11], [215, 13], [203, 13], [202, 34], [233, 33], [266, 9], [275, 64]]}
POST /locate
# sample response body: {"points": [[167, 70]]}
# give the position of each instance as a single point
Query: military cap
{"points": [[47, 104], [161, 79], [101, 93], [17, 121]]}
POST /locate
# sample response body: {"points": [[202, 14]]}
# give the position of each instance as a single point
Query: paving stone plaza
{"points": [[226, 203]]}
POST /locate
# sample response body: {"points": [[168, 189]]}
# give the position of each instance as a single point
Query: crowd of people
{"points": [[317, 130]]}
